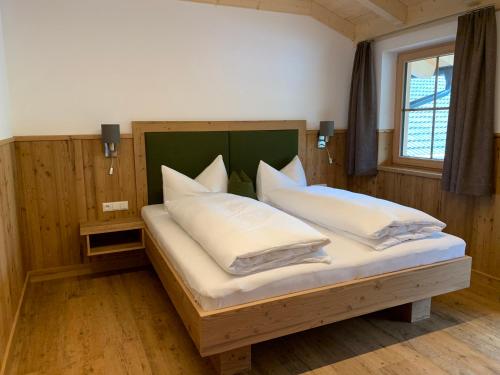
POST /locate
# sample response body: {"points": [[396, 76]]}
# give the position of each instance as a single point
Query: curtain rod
{"points": [[435, 21]]}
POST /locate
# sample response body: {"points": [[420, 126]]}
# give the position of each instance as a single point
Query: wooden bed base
{"points": [[227, 334]]}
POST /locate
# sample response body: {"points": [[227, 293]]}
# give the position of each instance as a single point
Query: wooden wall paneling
{"points": [[317, 167], [409, 189], [486, 227], [365, 185], [27, 207], [125, 185], [100, 187], [8, 213], [316, 160], [496, 217], [456, 211], [386, 186], [66, 196], [48, 203], [339, 179], [63, 181], [319, 171], [476, 220], [80, 182], [482, 234], [12, 270], [429, 190], [89, 183]]}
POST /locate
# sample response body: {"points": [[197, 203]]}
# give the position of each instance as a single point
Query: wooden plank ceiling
{"points": [[364, 19]]}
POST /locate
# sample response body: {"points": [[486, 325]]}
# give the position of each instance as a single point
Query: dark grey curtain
{"points": [[362, 145], [469, 159]]}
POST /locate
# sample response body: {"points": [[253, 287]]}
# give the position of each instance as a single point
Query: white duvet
{"points": [[375, 222], [244, 235]]}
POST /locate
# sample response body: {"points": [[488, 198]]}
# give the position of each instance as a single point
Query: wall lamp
{"points": [[110, 134], [326, 129]]}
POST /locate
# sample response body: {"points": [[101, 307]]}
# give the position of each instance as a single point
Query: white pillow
{"points": [[295, 171], [269, 179], [176, 185], [214, 177]]}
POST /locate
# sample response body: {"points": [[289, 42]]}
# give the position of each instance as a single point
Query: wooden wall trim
{"points": [[35, 138], [412, 171], [6, 141], [342, 131], [134, 261]]}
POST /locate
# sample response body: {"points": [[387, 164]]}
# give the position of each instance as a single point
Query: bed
{"points": [[225, 314], [213, 288]]}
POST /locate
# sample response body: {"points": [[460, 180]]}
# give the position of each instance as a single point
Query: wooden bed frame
{"points": [[226, 335]]}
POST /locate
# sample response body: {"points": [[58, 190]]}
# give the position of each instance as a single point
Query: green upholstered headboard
{"points": [[190, 147], [275, 147], [186, 152]]}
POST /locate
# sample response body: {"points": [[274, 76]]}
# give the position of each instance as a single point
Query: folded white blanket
{"points": [[372, 221], [244, 235]]}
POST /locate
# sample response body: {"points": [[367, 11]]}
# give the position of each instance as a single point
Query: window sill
{"points": [[412, 171]]}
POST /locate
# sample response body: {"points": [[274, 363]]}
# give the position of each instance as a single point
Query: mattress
{"points": [[213, 288]]}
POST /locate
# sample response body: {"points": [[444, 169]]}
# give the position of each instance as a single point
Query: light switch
{"points": [[122, 205]]}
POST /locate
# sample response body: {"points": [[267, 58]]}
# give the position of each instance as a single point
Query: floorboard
{"points": [[124, 323]]}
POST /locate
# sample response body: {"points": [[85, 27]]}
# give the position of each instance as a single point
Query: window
{"points": [[422, 105]]}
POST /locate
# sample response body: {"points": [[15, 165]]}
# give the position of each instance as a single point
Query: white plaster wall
{"points": [[75, 64], [5, 129]]}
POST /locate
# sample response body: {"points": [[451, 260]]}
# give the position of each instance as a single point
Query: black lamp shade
{"points": [[110, 133], [326, 128]]}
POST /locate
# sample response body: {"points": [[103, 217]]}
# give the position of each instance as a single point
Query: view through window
{"points": [[426, 104]]}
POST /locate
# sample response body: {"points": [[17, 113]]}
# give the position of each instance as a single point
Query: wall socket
{"points": [[115, 206]]}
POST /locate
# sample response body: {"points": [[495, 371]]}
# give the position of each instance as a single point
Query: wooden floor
{"points": [[124, 324]]}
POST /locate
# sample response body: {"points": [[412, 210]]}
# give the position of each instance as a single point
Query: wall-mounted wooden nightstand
{"points": [[114, 236]]}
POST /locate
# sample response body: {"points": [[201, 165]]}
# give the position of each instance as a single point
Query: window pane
{"points": [[417, 134], [440, 127], [445, 75], [420, 84]]}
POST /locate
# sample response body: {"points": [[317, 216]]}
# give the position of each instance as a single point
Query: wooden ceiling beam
{"points": [[387, 16], [332, 20], [393, 11], [304, 7], [419, 14]]}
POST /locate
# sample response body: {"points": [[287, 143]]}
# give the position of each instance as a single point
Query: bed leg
{"points": [[414, 311], [236, 361]]}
